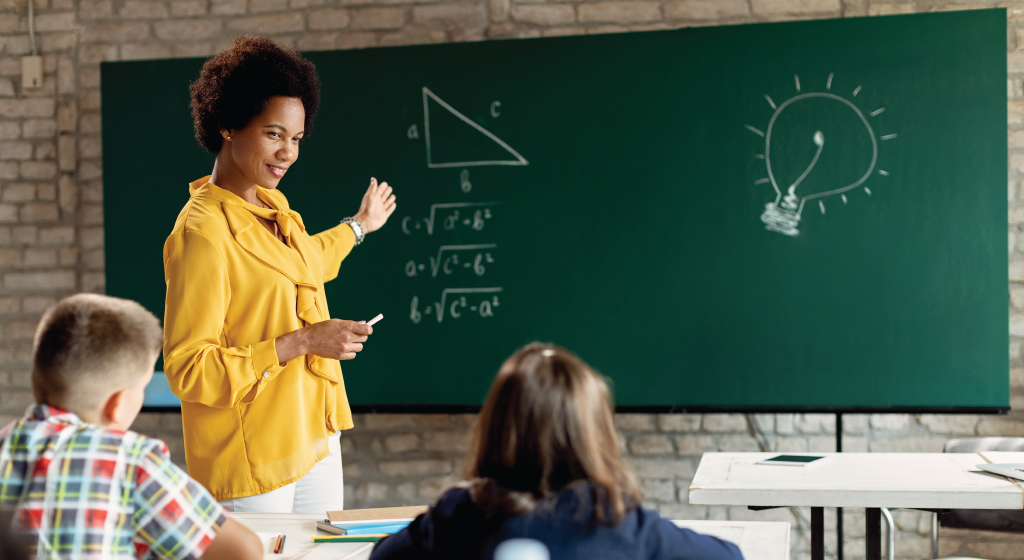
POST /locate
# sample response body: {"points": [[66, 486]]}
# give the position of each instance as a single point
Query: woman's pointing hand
{"points": [[377, 206]]}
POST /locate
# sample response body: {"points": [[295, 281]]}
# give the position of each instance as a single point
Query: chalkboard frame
{"points": [[467, 409]]}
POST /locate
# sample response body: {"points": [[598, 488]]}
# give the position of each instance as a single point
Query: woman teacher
{"points": [[249, 344]]}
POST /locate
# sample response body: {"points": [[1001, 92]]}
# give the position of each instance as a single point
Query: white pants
{"points": [[320, 491]]}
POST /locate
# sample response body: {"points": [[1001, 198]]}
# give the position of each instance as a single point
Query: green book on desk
{"points": [[347, 538]]}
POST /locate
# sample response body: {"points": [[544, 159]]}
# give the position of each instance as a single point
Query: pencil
{"points": [[280, 545]]}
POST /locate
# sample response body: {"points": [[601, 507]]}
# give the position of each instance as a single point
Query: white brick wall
{"points": [[51, 222]]}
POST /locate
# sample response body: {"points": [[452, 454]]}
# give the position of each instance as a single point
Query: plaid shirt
{"points": [[87, 493]]}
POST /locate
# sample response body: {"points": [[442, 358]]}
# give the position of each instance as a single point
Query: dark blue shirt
{"points": [[457, 528]]}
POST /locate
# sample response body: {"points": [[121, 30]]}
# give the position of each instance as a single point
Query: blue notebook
{"points": [[372, 528]]}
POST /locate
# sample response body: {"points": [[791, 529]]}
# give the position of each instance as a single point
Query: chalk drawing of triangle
{"points": [[497, 151]]}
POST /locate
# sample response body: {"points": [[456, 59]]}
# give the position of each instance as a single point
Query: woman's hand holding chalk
{"points": [[373, 321]]}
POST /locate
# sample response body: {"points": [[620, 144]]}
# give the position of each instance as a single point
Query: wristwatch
{"points": [[357, 228]]}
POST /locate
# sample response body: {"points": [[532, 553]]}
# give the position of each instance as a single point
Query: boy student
{"points": [[83, 485]]}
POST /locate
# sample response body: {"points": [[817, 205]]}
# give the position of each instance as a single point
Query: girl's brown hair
{"points": [[547, 423]]}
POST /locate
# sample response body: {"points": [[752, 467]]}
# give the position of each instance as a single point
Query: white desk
{"points": [[867, 480], [300, 528], [758, 540]]}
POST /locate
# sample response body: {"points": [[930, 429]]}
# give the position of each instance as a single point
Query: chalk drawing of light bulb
{"points": [[794, 143]]}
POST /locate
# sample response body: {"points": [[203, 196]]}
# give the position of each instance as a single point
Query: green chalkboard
{"points": [[628, 196]]}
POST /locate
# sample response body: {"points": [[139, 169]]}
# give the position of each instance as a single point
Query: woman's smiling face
{"points": [[262, 152]]}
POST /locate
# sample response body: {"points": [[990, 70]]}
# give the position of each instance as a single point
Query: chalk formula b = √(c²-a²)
{"points": [[799, 166], [482, 302]]}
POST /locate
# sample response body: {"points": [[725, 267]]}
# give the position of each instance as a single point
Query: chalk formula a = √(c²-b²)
{"points": [[451, 263]]}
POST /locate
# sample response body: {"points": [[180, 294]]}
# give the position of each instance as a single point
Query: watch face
{"points": [[357, 228]]}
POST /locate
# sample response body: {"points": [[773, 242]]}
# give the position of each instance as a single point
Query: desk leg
{"points": [[839, 530], [873, 534], [817, 533]]}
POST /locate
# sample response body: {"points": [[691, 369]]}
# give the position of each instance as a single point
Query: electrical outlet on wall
{"points": [[31, 72]]}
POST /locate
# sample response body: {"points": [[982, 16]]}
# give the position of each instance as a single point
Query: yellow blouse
{"points": [[251, 425]]}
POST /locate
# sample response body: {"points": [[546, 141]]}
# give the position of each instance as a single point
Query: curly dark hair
{"points": [[235, 85]]}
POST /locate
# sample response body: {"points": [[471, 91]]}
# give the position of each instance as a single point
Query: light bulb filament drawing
{"points": [[819, 141], [785, 216]]}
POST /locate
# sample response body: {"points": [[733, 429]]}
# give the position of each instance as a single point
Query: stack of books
{"points": [[366, 525]]}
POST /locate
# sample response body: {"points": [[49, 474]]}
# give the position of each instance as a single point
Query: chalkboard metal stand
{"points": [[839, 511]]}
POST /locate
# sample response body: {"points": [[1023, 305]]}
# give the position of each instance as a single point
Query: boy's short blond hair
{"points": [[87, 346]]}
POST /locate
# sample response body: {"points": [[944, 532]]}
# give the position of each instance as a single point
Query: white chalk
{"points": [[373, 321]]}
